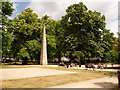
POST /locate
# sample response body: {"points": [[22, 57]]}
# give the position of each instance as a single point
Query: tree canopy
{"points": [[7, 38], [81, 32], [85, 30]]}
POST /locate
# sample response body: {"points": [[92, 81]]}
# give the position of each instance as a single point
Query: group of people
{"points": [[99, 66], [62, 64], [73, 64]]}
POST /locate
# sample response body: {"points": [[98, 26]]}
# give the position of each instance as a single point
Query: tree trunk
{"points": [[59, 57], [24, 62], [79, 58], [15, 61], [70, 56]]}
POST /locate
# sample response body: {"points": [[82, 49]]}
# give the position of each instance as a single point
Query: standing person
{"points": [[102, 66], [105, 65], [99, 66], [112, 64], [67, 64], [86, 66], [79, 64]]}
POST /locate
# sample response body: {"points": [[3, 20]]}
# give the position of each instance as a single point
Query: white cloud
{"points": [[20, 0], [113, 27], [56, 8], [110, 10], [15, 6], [53, 9], [10, 17], [105, 8]]}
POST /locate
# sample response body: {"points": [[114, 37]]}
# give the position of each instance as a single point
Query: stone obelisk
{"points": [[43, 57]]}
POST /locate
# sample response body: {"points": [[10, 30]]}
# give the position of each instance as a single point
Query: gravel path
{"points": [[19, 73], [105, 82]]}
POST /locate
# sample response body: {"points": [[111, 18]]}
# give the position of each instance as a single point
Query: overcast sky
{"points": [[56, 8]]}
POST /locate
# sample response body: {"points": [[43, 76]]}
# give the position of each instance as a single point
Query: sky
{"points": [[56, 9]]}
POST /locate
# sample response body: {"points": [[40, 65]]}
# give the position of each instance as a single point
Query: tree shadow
{"points": [[107, 84]]}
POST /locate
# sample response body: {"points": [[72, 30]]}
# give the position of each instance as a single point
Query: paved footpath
{"points": [[18, 73], [83, 68], [105, 82]]}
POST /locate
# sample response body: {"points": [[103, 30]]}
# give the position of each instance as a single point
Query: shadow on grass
{"points": [[107, 84]]}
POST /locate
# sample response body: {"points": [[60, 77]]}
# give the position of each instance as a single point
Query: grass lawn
{"points": [[19, 65], [48, 81], [13, 66]]}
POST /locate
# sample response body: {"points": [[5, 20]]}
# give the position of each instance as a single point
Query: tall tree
{"points": [[84, 30], [26, 30], [7, 10]]}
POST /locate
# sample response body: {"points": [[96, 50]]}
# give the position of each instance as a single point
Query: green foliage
{"points": [[78, 53], [45, 19], [50, 28], [6, 42], [27, 22], [7, 36], [33, 48], [7, 8], [112, 56], [85, 31], [81, 32], [27, 32], [33, 45], [118, 41], [23, 53]]}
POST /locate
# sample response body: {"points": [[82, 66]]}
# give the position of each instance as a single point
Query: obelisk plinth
{"points": [[43, 57]]}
